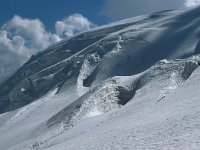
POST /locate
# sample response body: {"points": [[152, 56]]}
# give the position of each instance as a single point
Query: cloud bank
{"points": [[72, 25], [189, 3], [120, 9], [21, 37]]}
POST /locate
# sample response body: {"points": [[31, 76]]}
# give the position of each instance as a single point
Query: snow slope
{"points": [[132, 84]]}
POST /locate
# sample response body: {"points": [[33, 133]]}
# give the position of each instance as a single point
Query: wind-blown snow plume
{"points": [[118, 9], [189, 3]]}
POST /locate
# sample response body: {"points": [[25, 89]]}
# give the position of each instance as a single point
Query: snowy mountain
{"points": [[132, 84]]}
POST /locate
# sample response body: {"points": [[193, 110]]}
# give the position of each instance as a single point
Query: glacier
{"points": [[131, 84]]}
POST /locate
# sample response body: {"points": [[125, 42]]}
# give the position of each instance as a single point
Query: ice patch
{"points": [[23, 89], [165, 61], [93, 113], [88, 67]]}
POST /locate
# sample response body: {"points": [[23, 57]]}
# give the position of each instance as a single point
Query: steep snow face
{"points": [[117, 91], [122, 48], [118, 97], [130, 84]]}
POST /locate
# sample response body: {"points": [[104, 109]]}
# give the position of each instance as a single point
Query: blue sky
{"points": [[29, 26], [97, 11], [49, 11]]}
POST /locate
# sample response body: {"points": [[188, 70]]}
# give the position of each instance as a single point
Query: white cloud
{"points": [[33, 31], [72, 25], [13, 52], [120, 9], [20, 38], [189, 3]]}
